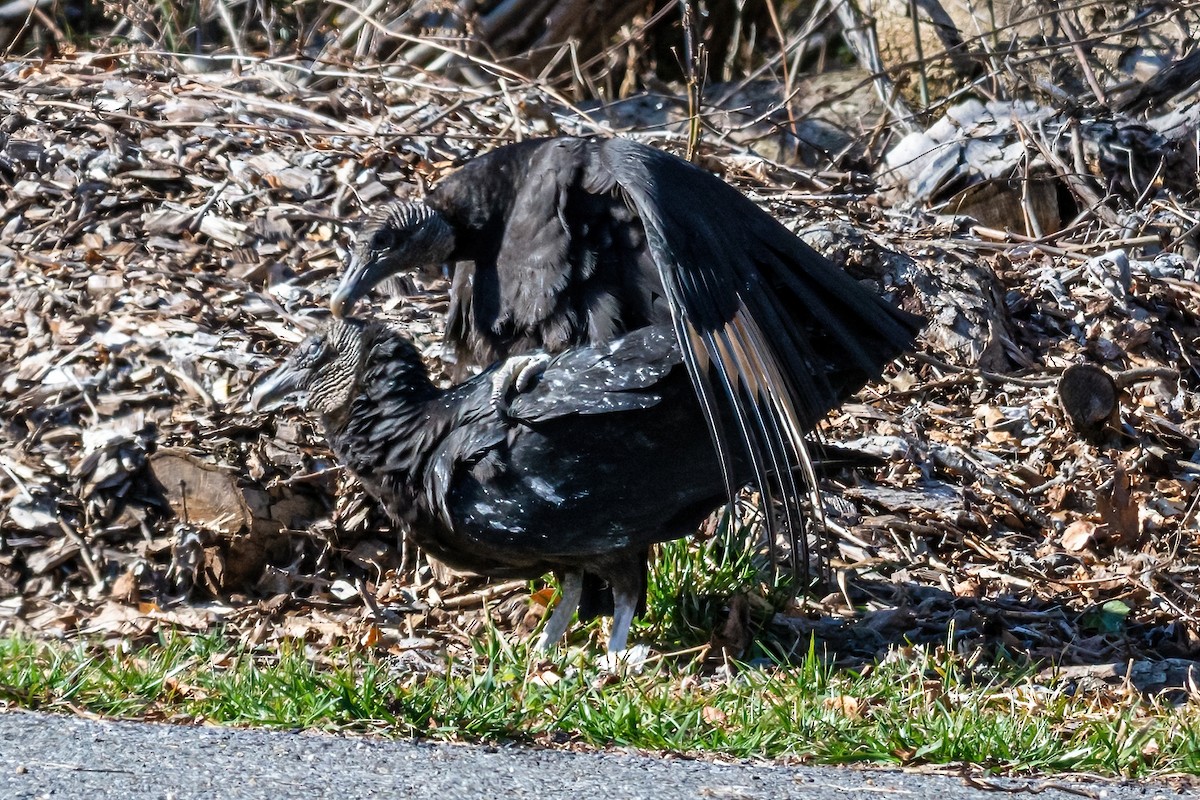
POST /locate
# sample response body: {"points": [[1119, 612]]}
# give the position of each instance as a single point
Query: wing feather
{"points": [[536, 276], [763, 319]]}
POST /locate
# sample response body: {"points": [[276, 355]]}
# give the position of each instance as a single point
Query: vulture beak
{"points": [[360, 275], [272, 389]]}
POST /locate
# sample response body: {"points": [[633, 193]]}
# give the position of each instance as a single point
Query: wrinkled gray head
{"points": [[321, 374], [394, 239]]}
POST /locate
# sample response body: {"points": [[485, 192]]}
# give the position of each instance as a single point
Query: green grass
{"points": [[917, 706], [917, 709]]}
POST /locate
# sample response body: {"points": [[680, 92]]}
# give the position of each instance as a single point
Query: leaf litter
{"points": [[167, 237]]}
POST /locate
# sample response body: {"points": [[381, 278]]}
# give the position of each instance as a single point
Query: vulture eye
{"points": [[384, 239], [312, 350]]}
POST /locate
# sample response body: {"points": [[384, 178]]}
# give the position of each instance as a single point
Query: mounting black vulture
{"points": [[575, 241], [575, 465]]}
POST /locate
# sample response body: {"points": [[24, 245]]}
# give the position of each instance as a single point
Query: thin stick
{"points": [[484, 594], [85, 553], [783, 66]]}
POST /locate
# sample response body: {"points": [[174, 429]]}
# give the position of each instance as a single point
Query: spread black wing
{"points": [[764, 320], [549, 264]]}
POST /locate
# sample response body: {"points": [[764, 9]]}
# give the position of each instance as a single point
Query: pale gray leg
{"points": [[560, 618], [621, 657], [624, 608]]}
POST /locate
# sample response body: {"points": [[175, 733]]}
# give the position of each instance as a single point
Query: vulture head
{"points": [[395, 238], [321, 374]]}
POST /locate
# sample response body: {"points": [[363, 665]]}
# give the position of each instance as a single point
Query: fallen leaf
{"points": [[1078, 535], [844, 704]]}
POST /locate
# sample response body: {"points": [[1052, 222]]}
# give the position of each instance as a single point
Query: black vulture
{"points": [[564, 241], [573, 464]]}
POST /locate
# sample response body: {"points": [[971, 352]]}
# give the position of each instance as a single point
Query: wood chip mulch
{"points": [[167, 236]]}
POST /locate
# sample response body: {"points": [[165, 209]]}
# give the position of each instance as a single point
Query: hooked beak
{"points": [[272, 389], [358, 279]]}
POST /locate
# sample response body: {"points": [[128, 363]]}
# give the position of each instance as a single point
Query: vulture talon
{"points": [[629, 661], [515, 375]]}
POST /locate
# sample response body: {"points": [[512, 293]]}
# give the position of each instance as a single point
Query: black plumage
{"points": [[574, 466], [566, 241]]}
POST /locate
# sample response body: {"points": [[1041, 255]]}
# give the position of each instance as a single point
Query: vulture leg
{"points": [[560, 618], [620, 657], [625, 603]]}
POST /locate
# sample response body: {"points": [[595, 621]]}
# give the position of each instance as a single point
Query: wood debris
{"points": [[167, 236]]}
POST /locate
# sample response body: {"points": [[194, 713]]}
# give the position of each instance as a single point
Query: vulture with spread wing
{"points": [[574, 464], [564, 241]]}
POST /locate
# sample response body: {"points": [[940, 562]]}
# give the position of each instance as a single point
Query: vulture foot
{"points": [[515, 375], [631, 660]]}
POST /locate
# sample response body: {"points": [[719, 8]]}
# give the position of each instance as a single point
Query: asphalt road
{"points": [[59, 758]]}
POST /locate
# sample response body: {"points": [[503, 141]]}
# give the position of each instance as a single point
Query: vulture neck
{"points": [[477, 205], [386, 429]]}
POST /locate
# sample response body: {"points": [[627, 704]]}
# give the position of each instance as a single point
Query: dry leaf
{"points": [[844, 704], [1079, 535]]}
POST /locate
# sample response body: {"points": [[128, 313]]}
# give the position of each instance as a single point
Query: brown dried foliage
{"points": [[166, 236]]}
